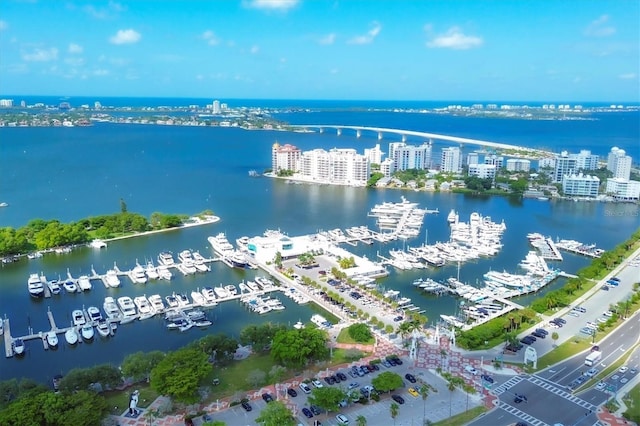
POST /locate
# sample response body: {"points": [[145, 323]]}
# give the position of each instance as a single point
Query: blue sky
{"points": [[538, 50]]}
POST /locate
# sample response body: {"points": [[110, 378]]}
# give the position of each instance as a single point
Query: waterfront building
{"points": [[570, 164], [619, 163], [451, 160], [387, 168], [97, 105], [284, 157], [374, 154], [483, 171], [623, 189], [407, 157], [336, 167], [473, 158], [495, 160], [545, 163], [518, 165], [216, 107], [6, 103], [580, 185]]}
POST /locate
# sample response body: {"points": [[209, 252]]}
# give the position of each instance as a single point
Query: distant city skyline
{"points": [[544, 51]]}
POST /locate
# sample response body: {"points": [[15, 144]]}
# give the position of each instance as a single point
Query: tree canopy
{"points": [[327, 397], [106, 375], [387, 381], [260, 336], [295, 348], [47, 408], [139, 365], [276, 414], [219, 347], [179, 374], [360, 332]]}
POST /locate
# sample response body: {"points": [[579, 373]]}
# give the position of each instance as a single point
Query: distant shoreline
{"points": [[196, 221]]}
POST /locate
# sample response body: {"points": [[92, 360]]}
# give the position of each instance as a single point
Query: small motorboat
{"points": [[87, 332], [71, 336], [18, 347], [52, 340], [103, 328]]}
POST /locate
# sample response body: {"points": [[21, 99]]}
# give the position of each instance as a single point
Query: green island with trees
{"points": [[43, 235]]}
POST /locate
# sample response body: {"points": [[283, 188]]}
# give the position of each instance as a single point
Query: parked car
{"points": [[315, 409], [307, 413], [305, 388], [542, 331], [342, 419], [342, 376], [292, 392], [623, 369], [410, 377], [246, 406], [267, 397], [317, 383], [398, 399], [538, 334], [413, 392], [353, 385], [601, 386]]}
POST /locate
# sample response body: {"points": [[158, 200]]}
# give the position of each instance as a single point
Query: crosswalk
{"points": [[548, 386], [561, 392], [521, 415]]}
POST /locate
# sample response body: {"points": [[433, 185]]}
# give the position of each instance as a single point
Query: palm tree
{"points": [[554, 337], [451, 386], [394, 408], [361, 420], [424, 392], [443, 356]]}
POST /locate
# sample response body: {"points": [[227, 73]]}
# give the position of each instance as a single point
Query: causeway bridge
{"points": [[404, 133]]}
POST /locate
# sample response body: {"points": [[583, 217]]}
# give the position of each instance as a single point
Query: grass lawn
{"points": [[462, 418], [563, 351], [340, 356], [118, 401], [233, 377], [344, 337], [633, 405]]}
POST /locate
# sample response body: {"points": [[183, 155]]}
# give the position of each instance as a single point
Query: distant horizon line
{"points": [[211, 98]]}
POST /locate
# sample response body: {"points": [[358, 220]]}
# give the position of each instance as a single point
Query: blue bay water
{"points": [[71, 173]]}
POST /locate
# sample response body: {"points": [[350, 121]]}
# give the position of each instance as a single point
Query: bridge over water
{"points": [[404, 133]]}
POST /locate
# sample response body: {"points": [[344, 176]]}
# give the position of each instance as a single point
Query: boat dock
{"points": [[577, 247], [8, 341]]}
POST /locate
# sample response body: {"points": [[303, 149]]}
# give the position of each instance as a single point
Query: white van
{"points": [[305, 388]]}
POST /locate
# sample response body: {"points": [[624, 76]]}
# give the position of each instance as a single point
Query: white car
{"points": [[470, 369], [601, 386], [342, 419], [591, 372], [623, 369], [317, 384], [608, 314]]}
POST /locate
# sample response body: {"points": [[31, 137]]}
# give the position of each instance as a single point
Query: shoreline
{"points": [[198, 221]]}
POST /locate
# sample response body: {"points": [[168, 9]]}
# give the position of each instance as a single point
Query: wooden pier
{"points": [[8, 341]]}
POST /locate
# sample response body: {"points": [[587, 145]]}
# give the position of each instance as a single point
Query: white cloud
{"points": [[125, 37], [328, 39], [74, 61], [628, 76], [74, 48], [282, 5], [3, 25], [254, 49], [369, 36], [210, 37], [110, 11], [41, 55], [600, 27], [455, 39]]}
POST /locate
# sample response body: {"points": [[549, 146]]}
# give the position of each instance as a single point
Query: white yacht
{"points": [[94, 314], [200, 262], [84, 283], [151, 271], [156, 303], [198, 298], [71, 336], [97, 243], [127, 306], [166, 258], [35, 286], [220, 243], [137, 274], [111, 308], [87, 332], [54, 287], [185, 255], [144, 307], [172, 301], [78, 317], [183, 300], [52, 339], [111, 278], [231, 289], [221, 292], [18, 346], [209, 295], [164, 273], [103, 328]]}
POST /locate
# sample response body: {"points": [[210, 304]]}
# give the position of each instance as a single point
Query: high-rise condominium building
{"points": [[619, 163], [451, 160]]}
